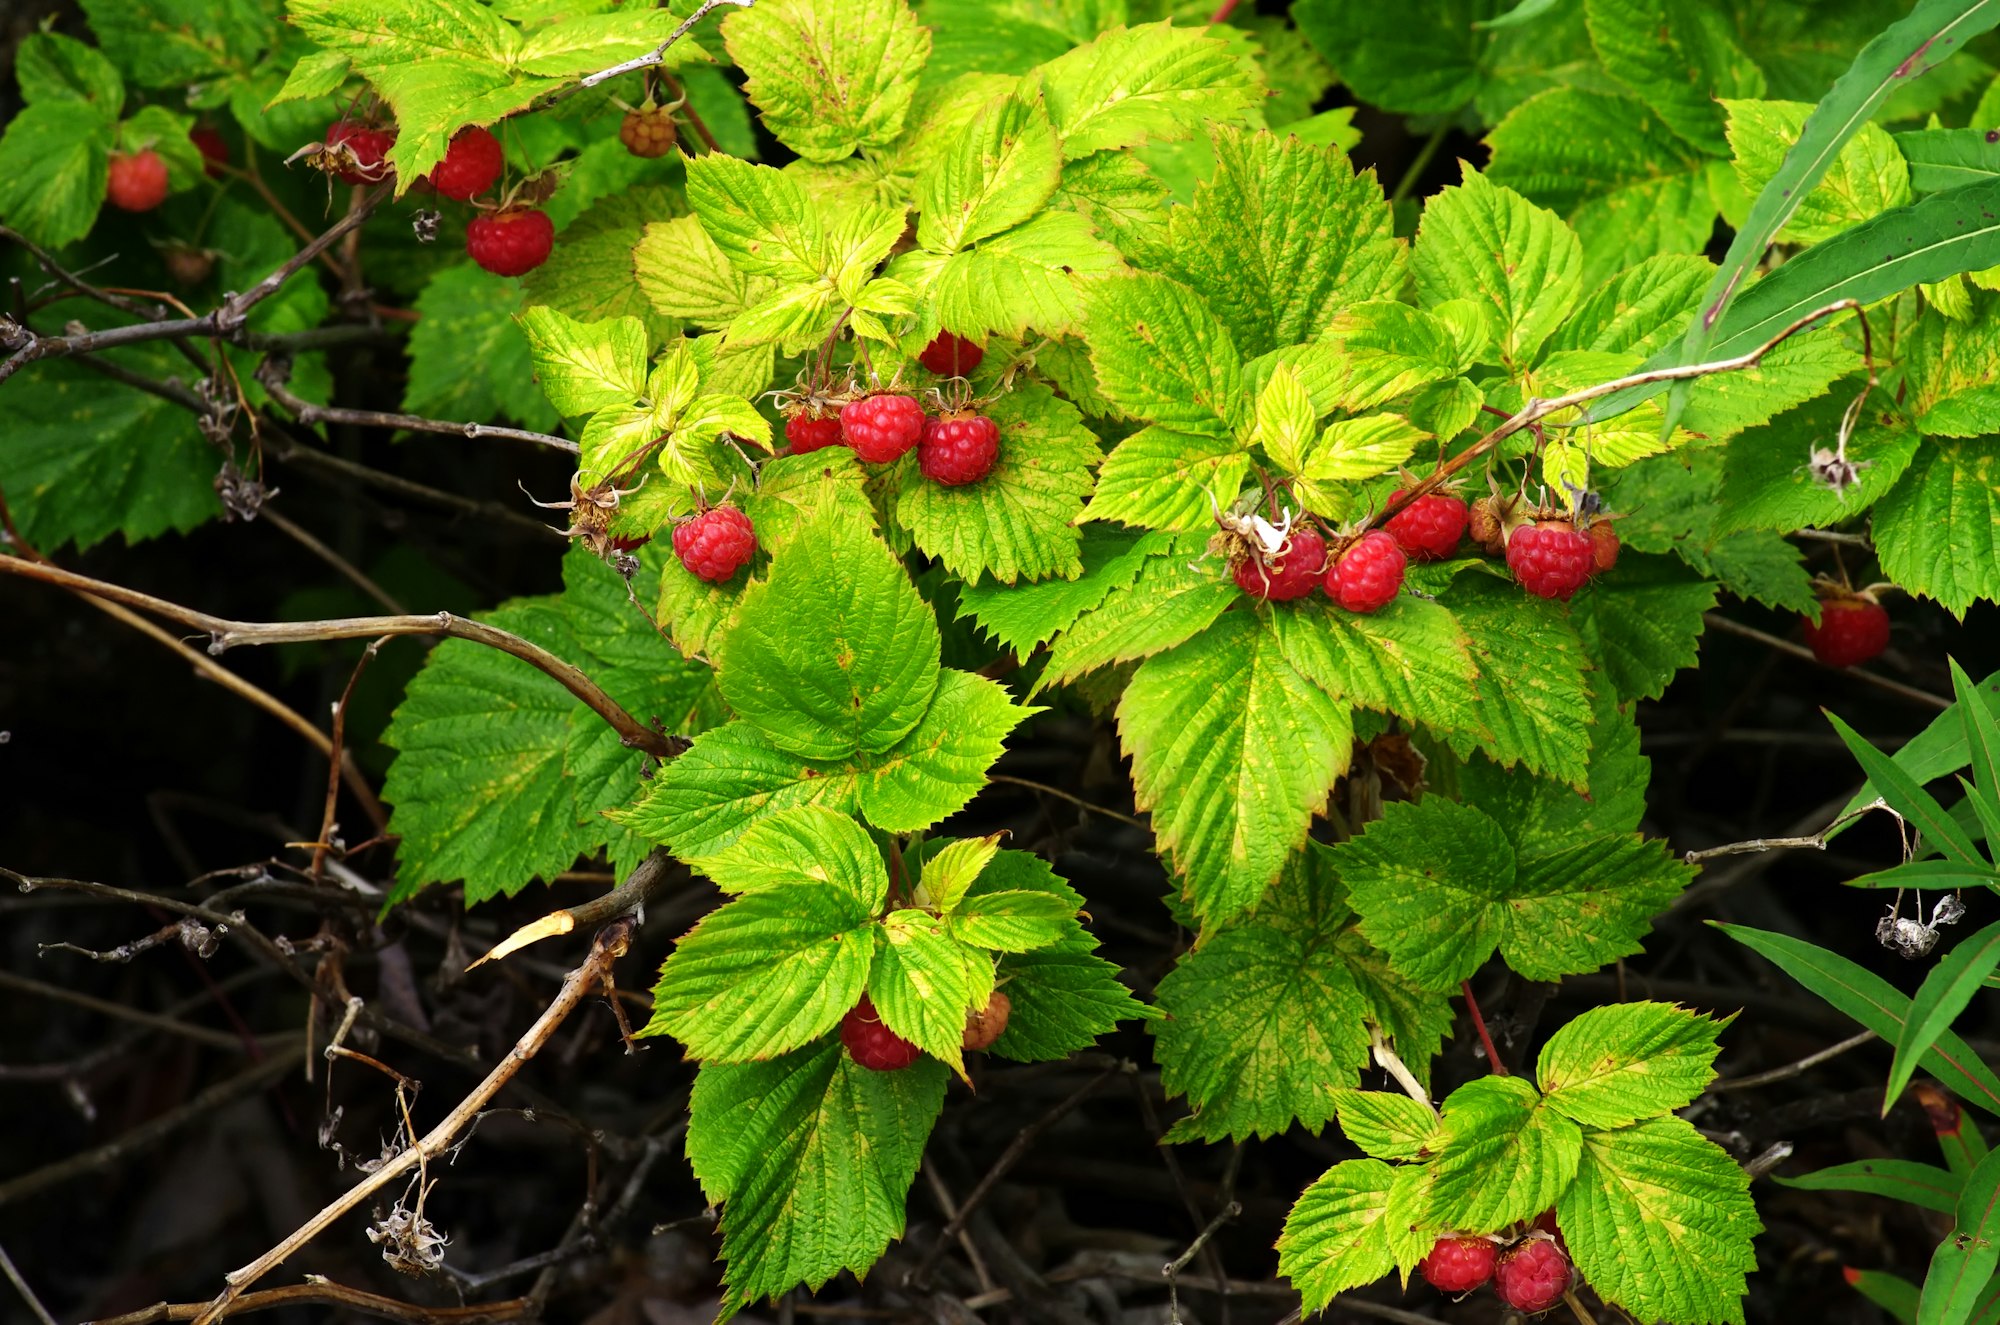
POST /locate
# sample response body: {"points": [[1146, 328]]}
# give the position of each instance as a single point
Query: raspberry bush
{"points": [[942, 379]]}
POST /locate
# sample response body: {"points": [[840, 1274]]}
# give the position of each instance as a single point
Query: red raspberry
{"points": [[648, 131], [951, 356], [1850, 631], [1459, 1265], [512, 242], [1604, 546], [1293, 574], [880, 428], [985, 1025], [716, 544], [807, 432], [872, 1044], [1428, 529], [1533, 1275], [214, 150], [138, 181], [1550, 559], [1369, 574], [471, 164], [368, 145], [958, 448]]}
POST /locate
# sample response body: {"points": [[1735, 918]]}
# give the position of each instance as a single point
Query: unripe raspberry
{"points": [[881, 428], [187, 264], [368, 145], [1428, 529], [808, 432], [648, 131], [958, 449], [1604, 545], [1850, 631], [1550, 558], [1369, 574], [137, 182], [1533, 1275], [951, 356], [470, 166], [716, 544], [985, 1025], [510, 243], [1459, 1265], [872, 1044], [1484, 524], [1293, 573], [214, 150]]}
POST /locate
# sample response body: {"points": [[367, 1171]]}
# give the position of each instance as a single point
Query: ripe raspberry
{"points": [[1533, 1275], [214, 150], [1550, 558], [471, 164], [1293, 574], [958, 449], [1459, 1265], [1428, 529], [951, 356], [985, 1025], [648, 132], [1850, 631], [512, 242], [716, 544], [368, 145], [880, 428], [1483, 522], [138, 181], [1369, 574], [808, 433], [872, 1044], [1604, 546]]}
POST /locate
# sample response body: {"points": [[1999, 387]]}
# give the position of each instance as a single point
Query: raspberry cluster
{"points": [[1530, 1274], [870, 1042], [648, 131]]}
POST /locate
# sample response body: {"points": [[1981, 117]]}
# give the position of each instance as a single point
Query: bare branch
{"points": [[659, 53], [1911, 693], [225, 634], [320, 1291], [273, 374]]}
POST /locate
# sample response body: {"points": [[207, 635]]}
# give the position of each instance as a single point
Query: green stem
{"points": [[1408, 183]]}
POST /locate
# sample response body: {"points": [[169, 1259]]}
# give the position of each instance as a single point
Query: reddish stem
{"points": [[1479, 1024], [1223, 11]]}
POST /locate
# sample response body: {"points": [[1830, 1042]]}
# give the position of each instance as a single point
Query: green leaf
{"points": [[1032, 276], [1233, 751], [1264, 1023], [469, 358], [82, 463], [827, 665], [53, 165], [1877, 1005], [583, 367], [1939, 749], [1282, 236], [1766, 483], [1867, 178], [1908, 798], [803, 847], [1639, 310], [1678, 58], [1893, 1293], [1922, 1185], [1533, 706], [1336, 1236], [1939, 527], [1615, 1065], [1389, 349], [829, 78], [1506, 1156], [171, 43], [1017, 523], [925, 981], [1388, 1126], [1963, 1265], [1947, 991], [589, 276], [54, 67], [765, 974], [1541, 815], [812, 1156], [1946, 158], [1659, 1221], [1514, 258], [1020, 920], [1000, 170], [1410, 659], [947, 875], [1439, 887], [1153, 82], [684, 274], [1642, 621], [1170, 601], [1022, 616], [1163, 478], [1163, 356], [1418, 59]]}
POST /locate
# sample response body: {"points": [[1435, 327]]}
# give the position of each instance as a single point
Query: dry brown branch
{"points": [[1911, 693], [316, 1291], [605, 949]]}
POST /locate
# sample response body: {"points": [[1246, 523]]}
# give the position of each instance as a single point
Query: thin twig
{"points": [[326, 820], [214, 1039], [609, 945], [1911, 693], [1790, 1070], [1060, 794], [348, 571], [317, 1291], [942, 1195], [1815, 842], [21, 1287], [308, 413], [659, 53], [225, 634], [1172, 1269]]}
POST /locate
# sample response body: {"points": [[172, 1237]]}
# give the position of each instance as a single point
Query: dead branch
{"points": [[1911, 693], [318, 1291], [272, 373]]}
